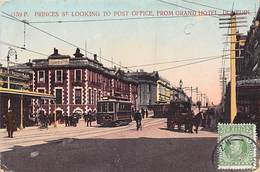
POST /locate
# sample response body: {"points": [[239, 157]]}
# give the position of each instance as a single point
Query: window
{"points": [[99, 107], [58, 75], [110, 107], [104, 107], [78, 96], [95, 97], [58, 93], [41, 76], [78, 75], [89, 96], [99, 95]]}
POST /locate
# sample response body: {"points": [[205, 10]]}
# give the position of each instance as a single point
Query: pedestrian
{"points": [[146, 113], [10, 122], [66, 119], [89, 118], [142, 111], [85, 116], [138, 120], [46, 121]]}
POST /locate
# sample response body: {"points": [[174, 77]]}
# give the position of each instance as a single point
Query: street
{"points": [[101, 149]]}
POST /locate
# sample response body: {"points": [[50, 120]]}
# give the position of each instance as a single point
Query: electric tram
{"points": [[113, 112]]}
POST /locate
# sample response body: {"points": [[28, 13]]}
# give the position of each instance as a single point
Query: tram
{"points": [[113, 112]]}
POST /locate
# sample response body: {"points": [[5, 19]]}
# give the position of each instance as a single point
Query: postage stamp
{"points": [[236, 146]]}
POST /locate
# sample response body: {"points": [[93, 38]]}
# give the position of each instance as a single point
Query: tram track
{"points": [[45, 132], [81, 134]]}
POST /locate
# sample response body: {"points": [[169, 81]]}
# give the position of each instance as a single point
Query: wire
{"points": [[60, 39], [110, 19], [187, 64], [204, 5], [174, 4], [23, 48], [9, 18], [175, 61]]}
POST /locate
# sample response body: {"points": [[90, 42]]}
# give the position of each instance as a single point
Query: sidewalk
{"points": [[81, 124]]}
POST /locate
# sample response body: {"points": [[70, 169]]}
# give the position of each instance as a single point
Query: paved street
{"points": [[108, 149]]}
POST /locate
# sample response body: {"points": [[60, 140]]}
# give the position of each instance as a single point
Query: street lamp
{"points": [[11, 53]]}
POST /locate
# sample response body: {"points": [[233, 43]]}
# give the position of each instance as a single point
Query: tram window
{"points": [[99, 107], [110, 107], [104, 107]]}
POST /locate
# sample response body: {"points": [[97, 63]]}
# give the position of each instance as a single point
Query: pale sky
{"points": [[129, 42]]}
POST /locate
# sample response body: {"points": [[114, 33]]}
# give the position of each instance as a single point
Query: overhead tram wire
{"points": [[174, 4], [204, 5], [9, 18], [188, 64], [41, 30], [176, 61], [111, 19], [23, 48]]}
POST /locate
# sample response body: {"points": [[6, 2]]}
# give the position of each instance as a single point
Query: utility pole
{"points": [[232, 25], [233, 95]]}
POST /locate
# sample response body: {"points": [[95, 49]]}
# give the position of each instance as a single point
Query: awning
{"points": [[25, 93]]}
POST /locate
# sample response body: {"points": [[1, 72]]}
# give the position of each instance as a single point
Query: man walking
{"points": [[142, 111], [138, 120], [89, 118], [146, 113], [10, 122]]}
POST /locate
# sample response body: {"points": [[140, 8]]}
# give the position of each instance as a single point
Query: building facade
{"points": [[247, 72], [77, 83], [152, 89]]}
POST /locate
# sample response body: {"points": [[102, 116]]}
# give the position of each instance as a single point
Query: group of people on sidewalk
{"points": [[89, 117]]}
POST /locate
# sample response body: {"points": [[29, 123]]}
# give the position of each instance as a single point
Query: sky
{"points": [[127, 42]]}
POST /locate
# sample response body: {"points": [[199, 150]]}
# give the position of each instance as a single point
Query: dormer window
{"points": [[58, 76]]}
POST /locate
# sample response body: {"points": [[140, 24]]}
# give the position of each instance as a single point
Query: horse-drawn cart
{"points": [[179, 113]]}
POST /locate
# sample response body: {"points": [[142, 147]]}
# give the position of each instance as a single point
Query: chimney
{"points": [[95, 57], [55, 51]]}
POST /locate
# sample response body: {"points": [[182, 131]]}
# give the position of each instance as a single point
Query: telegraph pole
{"points": [[233, 95], [232, 25]]}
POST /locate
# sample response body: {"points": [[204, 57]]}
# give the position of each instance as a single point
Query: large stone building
{"points": [[152, 89], [78, 83]]}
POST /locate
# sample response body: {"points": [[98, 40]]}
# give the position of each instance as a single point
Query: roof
{"points": [[25, 93]]}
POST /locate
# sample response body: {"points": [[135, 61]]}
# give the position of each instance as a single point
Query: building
{"points": [[77, 83], [247, 71], [152, 89], [164, 91]]}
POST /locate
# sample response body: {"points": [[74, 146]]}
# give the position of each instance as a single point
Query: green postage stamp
{"points": [[236, 146]]}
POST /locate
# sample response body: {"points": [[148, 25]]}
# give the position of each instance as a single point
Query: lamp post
{"points": [[11, 52]]}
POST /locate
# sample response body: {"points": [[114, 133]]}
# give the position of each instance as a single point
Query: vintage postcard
{"points": [[129, 85]]}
